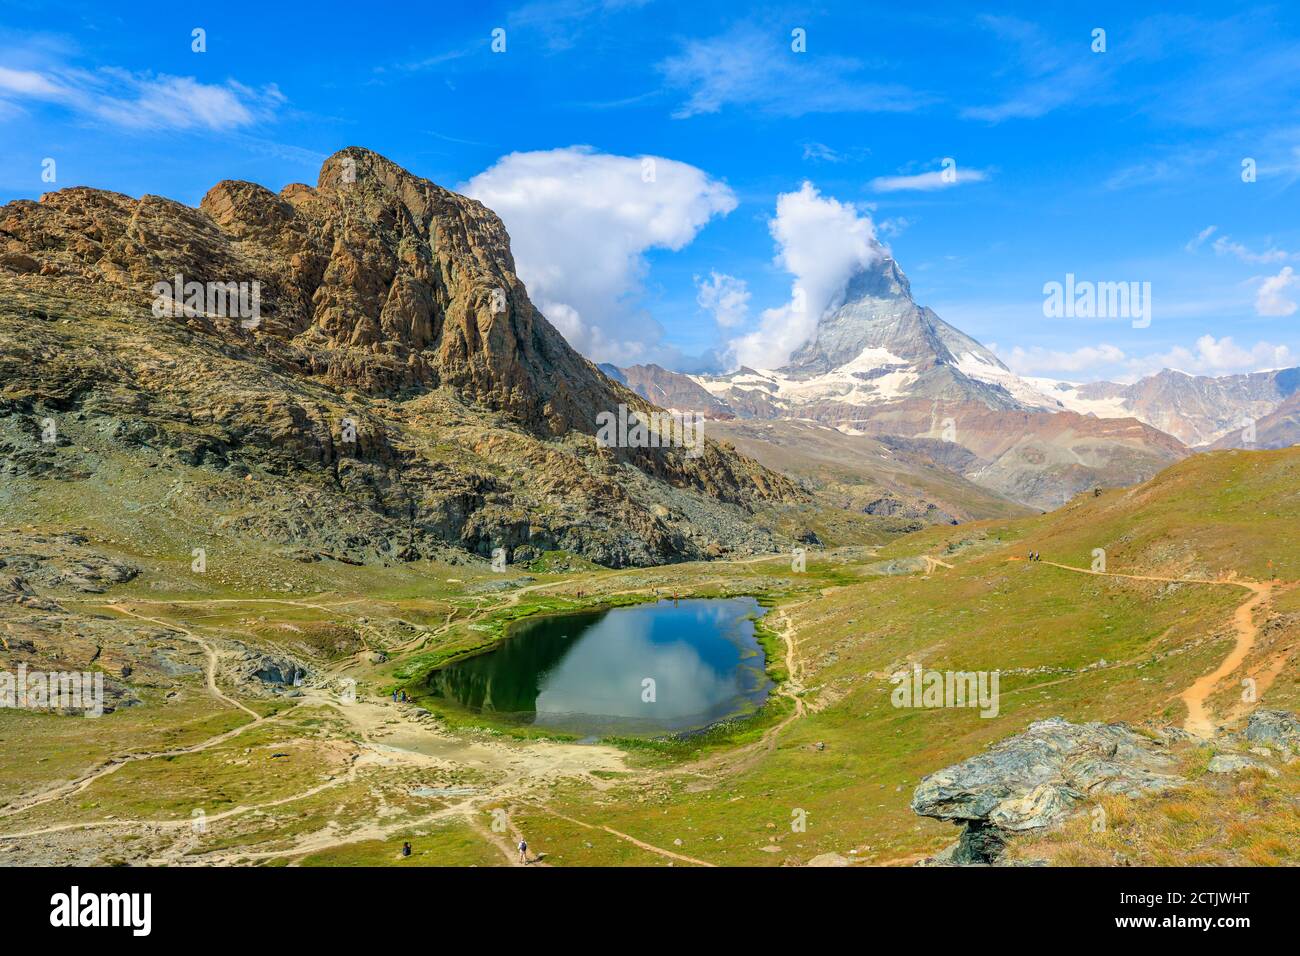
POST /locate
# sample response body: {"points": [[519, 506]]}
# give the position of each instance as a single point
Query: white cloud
{"points": [[1209, 356], [1173, 169], [1270, 300], [1050, 73], [1213, 356], [142, 100], [757, 68], [1199, 239], [27, 83], [822, 243], [893, 226], [821, 152], [1288, 168], [1041, 361], [1224, 246], [725, 296], [935, 179], [580, 223]]}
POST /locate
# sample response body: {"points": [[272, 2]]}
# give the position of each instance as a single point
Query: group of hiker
{"points": [[1035, 556], [400, 697], [523, 851]]}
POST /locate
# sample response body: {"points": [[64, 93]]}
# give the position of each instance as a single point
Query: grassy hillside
{"points": [[1048, 630], [307, 778]]}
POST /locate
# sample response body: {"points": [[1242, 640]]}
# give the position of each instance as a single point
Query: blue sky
{"points": [[1109, 165]]}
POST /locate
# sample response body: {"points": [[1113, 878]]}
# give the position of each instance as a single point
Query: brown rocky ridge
{"points": [[397, 394]]}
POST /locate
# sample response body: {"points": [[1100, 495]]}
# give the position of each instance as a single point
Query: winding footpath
{"points": [[1200, 719], [114, 764]]}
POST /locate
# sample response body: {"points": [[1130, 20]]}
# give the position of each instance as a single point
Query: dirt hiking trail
{"points": [[1200, 720]]}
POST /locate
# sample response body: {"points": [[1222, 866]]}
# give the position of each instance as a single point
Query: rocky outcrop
{"points": [[1274, 728], [396, 394], [57, 561], [382, 280], [374, 279], [275, 670], [1237, 763], [1037, 778], [892, 506], [1041, 776]]}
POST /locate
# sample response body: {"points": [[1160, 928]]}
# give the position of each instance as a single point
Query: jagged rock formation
{"points": [[381, 280], [1038, 777], [876, 348], [396, 393], [897, 348]]}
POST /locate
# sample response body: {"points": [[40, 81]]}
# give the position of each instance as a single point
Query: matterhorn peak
{"points": [[879, 325]]}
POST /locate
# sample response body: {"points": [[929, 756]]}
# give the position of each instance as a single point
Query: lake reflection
{"points": [[588, 673]]}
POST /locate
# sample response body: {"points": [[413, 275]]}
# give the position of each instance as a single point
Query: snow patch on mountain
{"points": [[977, 366], [875, 375], [1085, 399]]}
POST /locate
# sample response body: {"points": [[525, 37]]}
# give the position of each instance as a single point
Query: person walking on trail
{"points": [[523, 852]]}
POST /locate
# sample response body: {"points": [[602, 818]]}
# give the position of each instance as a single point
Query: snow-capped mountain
{"points": [[879, 347], [880, 364], [1195, 409]]}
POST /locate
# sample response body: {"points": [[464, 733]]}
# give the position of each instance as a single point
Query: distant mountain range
{"points": [[880, 364], [1195, 409]]}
